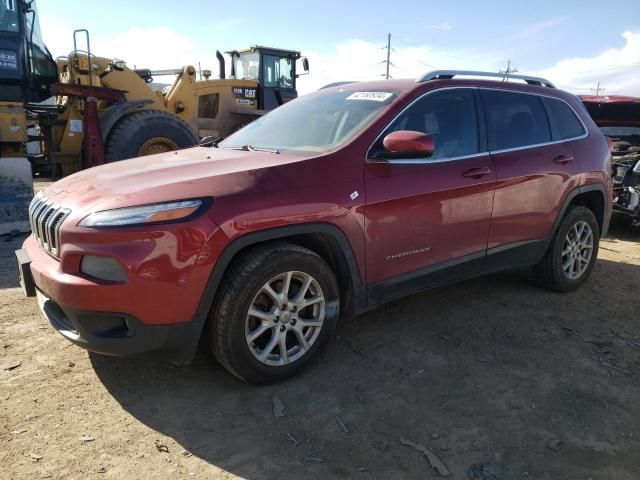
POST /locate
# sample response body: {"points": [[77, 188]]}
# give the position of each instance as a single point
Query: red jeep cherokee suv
{"points": [[332, 204]]}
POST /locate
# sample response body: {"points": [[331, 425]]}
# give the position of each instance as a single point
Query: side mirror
{"points": [[305, 64], [407, 144]]}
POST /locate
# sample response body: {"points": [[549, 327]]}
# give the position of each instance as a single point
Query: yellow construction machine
{"points": [[60, 116]]}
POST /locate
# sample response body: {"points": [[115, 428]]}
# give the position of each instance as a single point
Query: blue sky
{"points": [[579, 41]]}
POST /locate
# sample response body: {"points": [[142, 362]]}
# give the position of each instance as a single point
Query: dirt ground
{"points": [[494, 376]]}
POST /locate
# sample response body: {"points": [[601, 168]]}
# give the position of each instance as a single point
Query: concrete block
{"points": [[16, 192]]}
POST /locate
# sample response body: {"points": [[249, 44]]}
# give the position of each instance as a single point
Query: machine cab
{"points": [[274, 70], [27, 69]]}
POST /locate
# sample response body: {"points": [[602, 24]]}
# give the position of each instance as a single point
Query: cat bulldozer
{"points": [[81, 110]]}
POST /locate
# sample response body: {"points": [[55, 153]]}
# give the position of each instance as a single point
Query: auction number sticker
{"points": [[371, 96]]}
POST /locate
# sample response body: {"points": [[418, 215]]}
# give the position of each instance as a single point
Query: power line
{"points": [[413, 59], [465, 58], [612, 67], [400, 68]]}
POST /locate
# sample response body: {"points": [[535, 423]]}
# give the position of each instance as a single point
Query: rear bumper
{"points": [[120, 334]]}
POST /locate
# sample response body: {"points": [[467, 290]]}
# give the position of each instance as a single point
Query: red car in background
{"points": [[619, 119]]}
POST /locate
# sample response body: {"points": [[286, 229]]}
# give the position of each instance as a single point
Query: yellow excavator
{"points": [[60, 116]]}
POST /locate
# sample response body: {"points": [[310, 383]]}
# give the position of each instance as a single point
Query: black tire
{"points": [[240, 286], [549, 271], [129, 135]]}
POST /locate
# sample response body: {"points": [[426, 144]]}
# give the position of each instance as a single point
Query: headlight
{"points": [[147, 214]]}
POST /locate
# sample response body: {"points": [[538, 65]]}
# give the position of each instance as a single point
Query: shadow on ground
{"points": [[620, 228], [490, 369]]}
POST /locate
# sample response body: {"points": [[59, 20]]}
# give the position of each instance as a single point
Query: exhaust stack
{"points": [[221, 62]]}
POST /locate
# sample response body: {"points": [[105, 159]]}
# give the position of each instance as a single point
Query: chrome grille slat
{"points": [[43, 227], [45, 219], [38, 214], [48, 234], [51, 234]]}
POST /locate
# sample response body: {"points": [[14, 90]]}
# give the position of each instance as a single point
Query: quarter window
{"points": [[563, 119], [449, 116], [515, 120]]}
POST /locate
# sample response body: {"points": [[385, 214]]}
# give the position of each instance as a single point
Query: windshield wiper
{"points": [[251, 148]]}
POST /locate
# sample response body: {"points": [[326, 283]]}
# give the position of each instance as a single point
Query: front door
{"points": [[427, 220]]}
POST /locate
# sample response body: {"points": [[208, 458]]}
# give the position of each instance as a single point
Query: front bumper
{"points": [[119, 334], [111, 333], [155, 309]]}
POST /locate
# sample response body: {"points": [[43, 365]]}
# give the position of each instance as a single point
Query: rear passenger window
{"points": [[515, 120], [563, 119]]}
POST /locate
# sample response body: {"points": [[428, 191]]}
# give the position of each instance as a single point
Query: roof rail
{"points": [[447, 74]]}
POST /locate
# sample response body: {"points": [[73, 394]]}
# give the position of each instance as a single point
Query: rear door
{"points": [[534, 168], [429, 215]]}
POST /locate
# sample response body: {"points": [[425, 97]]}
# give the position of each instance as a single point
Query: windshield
{"points": [[247, 66], [622, 131], [314, 123], [9, 16]]}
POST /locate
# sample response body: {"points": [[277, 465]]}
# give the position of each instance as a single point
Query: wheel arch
{"points": [[592, 196], [325, 239]]}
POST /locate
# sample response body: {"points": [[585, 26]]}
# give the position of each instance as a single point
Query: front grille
{"points": [[45, 219]]}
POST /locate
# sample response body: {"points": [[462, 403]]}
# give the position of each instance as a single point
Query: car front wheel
{"points": [[277, 309]]}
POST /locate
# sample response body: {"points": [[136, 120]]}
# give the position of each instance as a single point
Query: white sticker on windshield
{"points": [[371, 96]]}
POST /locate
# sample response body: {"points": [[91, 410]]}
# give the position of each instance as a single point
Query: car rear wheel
{"points": [[277, 309], [572, 253]]}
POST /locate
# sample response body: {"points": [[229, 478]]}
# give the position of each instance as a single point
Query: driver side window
{"points": [[449, 116]]}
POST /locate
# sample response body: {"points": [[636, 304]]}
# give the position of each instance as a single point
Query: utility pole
{"points": [[508, 71], [388, 54], [598, 89]]}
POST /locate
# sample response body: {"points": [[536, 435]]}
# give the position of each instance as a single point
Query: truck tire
{"points": [[572, 253], [147, 132], [277, 309]]}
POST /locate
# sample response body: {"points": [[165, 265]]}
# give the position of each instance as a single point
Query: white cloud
{"points": [[535, 29], [617, 70], [156, 47], [440, 26], [361, 60], [162, 47]]}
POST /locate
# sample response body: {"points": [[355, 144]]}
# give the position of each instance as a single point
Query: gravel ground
{"points": [[496, 377]]}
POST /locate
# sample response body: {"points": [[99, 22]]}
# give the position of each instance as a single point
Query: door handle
{"points": [[477, 172], [563, 159]]}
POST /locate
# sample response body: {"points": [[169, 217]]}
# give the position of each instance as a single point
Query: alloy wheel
{"points": [[577, 250], [285, 318]]}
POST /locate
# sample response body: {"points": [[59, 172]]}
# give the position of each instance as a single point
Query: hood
{"points": [[613, 111], [190, 173]]}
